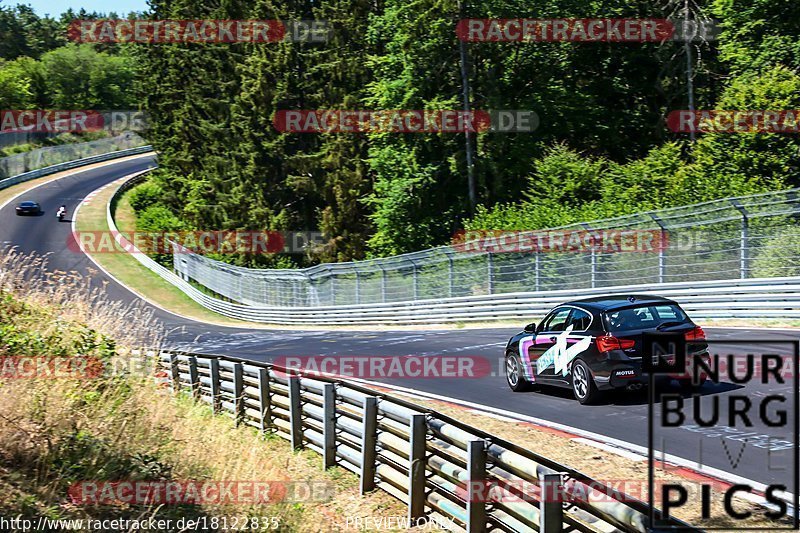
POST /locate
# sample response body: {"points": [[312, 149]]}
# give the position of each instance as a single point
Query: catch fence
{"points": [[736, 238]]}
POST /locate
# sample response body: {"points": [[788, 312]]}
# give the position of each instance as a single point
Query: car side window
{"points": [[580, 320], [557, 320]]}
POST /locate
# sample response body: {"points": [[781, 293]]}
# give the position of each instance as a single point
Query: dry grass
{"points": [[56, 432]]}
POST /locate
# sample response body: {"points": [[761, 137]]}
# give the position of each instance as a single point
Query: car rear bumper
{"points": [[622, 374]]}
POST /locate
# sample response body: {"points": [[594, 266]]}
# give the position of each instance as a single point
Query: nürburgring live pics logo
{"points": [[751, 402]]}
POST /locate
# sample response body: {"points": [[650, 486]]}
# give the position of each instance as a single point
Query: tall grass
{"points": [[125, 425]]}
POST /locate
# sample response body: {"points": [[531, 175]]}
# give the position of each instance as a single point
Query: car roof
{"points": [[618, 301], [28, 202]]}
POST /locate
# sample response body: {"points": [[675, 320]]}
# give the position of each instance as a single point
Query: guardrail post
{"points": [[194, 377], [358, 287], [417, 461], [332, 277], [662, 258], [328, 425], [295, 412], [174, 372], [216, 404], [416, 279], [451, 275], [537, 271], [238, 392], [744, 259], [383, 283], [593, 283], [369, 444], [476, 477], [490, 266], [662, 248], [551, 512], [265, 405]]}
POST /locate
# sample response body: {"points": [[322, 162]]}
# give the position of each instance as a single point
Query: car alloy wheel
{"points": [[512, 371], [515, 374], [583, 384], [580, 381]]}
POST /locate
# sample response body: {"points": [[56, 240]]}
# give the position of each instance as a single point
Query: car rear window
{"points": [[645, 317]]}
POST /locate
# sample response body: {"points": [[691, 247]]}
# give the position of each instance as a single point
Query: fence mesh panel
{"points": [[53, 155], [746, 237]]}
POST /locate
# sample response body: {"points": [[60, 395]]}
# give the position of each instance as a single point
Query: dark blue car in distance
{"points": [[28, 208], [595, 344]]}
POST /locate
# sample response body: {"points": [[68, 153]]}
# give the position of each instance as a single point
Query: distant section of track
{"points": [[623, 417]]}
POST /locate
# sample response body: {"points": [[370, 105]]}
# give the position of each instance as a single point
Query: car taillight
{"points": [[607, 343], [697, 334]]}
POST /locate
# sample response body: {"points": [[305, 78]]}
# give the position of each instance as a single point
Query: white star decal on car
{"points": [[560, 355]]}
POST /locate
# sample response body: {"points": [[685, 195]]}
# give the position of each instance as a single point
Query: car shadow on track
{"points": [[642, 396]]}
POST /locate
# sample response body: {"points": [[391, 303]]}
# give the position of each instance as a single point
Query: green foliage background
{"points": [[602, 147]]}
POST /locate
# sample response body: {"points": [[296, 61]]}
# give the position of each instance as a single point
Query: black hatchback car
{"points": [[595, 344], [29, 208]]}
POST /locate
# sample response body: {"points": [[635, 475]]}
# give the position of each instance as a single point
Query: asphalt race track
{"points": [[623, 416]]}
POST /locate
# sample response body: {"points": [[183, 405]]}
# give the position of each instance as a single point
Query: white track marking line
{"points": [[613, 449]]}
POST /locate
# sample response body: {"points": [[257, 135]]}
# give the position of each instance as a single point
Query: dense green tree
{"points": [[16, 91], [759, 34], [79, 77], [601, 148]]}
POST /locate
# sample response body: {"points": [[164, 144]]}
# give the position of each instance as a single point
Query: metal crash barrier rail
{"points": [[443, 470]]}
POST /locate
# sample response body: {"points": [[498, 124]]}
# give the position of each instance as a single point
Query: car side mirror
{"points": [[531, 328]]}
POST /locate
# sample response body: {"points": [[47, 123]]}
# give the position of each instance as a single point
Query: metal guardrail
{"points": [[442, 469], [736, 238], [58, 158], [737, 298]]}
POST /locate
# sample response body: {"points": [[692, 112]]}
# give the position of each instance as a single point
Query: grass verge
{"points": [[142, 281]]}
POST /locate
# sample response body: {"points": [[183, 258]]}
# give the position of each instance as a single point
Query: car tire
{"points": [[515, 375], [583, 386]]}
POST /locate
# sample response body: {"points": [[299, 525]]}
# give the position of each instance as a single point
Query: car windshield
{"points": [[645, 317], [28, 204]]}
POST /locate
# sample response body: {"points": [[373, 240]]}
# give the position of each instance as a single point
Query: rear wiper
{"points": [[664, 325]]}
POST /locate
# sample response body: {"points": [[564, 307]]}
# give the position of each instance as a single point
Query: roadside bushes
{"points": [[144, 196], [153, 216], [778, 256]]}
